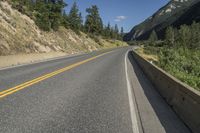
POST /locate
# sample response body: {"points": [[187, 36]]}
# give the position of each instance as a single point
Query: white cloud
{"points": [[120, 18]]}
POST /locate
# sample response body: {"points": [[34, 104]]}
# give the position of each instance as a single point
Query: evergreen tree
{"points": [[56, 14], [75, 18], [122, 31], [66, 20], [116, 32], [42, 15], [112, 33], [108, 30], [49, 14], [153, 37], [93, 23], [81, 27], [170, 36], [21, 5], [108, 27], [116, 29]]}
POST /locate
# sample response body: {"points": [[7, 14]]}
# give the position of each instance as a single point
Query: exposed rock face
{"points": [[175, 13], [19, 34]]}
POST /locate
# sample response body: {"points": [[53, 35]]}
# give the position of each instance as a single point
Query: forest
{"points": [[50, 15]]}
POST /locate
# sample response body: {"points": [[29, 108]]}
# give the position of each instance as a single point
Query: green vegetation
{"points": [[50, 15], [179, 53], [47, 14], [186, 13], [153, 37], [75, 18], [93, 22]]}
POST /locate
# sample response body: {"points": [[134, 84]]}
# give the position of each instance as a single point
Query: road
{"points": [[99, 92]]}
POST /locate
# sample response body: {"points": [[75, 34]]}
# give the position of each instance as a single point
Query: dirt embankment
{"points": [[20, 36], [13, 60]]}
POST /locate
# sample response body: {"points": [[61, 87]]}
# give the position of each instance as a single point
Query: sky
{"points": [[125, 13]]}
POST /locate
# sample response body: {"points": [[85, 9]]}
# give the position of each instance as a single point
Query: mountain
{"points": [[175, 13]]}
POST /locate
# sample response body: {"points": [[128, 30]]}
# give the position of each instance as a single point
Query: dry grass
{"points": [[19, 35], [149, 57], [13, 60]]}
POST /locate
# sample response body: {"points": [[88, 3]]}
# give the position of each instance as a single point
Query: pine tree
{"points": [[108, 27], [170, 36], [49, 14], [116, 29], [75, 18], [43, 15], [116, 32], [56, 8], [81, 27], [108, 30], [122, 33], [153, 37], [93, 23], [21, 5], [112, 33], [66, 20]]}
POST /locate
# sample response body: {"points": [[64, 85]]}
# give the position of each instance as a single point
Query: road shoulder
{"points": [[155, 114]]}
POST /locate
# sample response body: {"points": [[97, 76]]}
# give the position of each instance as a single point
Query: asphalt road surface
{"points": [[99, 92]]}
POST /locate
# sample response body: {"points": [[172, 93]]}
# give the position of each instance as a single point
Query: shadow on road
{"points": [[167, 117]]}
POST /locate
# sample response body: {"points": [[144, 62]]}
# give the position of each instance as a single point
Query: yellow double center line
{"points": [[46, 76]]}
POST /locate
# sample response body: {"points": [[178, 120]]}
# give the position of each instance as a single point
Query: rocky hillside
{"points": [[175, 13], [19, 34]]}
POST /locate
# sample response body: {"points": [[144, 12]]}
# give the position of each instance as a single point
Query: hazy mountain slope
{"points": [[19, 34], [176, 12], [192, 14]]}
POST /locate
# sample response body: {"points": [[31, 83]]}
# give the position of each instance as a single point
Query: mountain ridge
{"points": [[167, 15]]}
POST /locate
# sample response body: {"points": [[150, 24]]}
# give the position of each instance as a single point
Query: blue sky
{"points": [[126, 13]]}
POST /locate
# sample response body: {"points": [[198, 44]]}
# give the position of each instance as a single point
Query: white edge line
{"points": [[134, 121]]}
